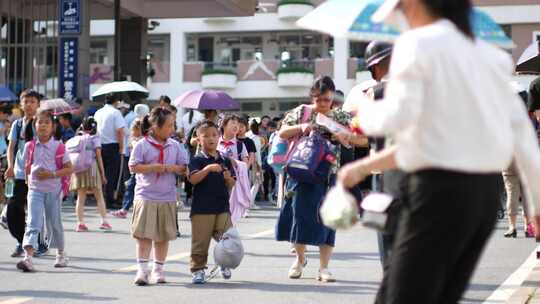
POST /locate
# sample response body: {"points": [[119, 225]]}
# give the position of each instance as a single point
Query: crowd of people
{"points": [[421, 134]]}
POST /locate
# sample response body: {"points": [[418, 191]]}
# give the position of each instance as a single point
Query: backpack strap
{"points": [[30, 157], [239, 149], [59, 156]]}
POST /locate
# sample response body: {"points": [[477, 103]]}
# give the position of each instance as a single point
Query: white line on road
{"points": [[186, 254], [16, 301], [514, 281]]}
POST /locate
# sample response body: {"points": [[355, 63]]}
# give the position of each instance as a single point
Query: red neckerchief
{"points": [[161, 148], [227, 143]]}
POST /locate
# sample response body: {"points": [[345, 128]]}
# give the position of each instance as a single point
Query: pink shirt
{"points": [[44, 159], [151, 186]]}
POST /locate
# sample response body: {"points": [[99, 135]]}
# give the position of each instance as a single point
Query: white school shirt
{"points": [[109, 119], [450, 106]]}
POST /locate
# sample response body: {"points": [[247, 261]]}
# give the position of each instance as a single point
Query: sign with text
{"points": [[69, 16], [68, 63]]}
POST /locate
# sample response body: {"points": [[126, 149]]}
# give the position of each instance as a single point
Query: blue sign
{"points": [[69, 16], [68, 68]]}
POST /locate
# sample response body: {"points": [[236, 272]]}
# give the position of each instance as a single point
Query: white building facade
{"points": [[265, 61]]}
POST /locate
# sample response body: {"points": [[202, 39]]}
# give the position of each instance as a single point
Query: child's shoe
{"points": [[141, 279], [529, 232], [42, 250], [198, 277], [159, 275], [26, 265], [61, 261], [226, 273], [119, 213], [105, 226], [81, 228]]}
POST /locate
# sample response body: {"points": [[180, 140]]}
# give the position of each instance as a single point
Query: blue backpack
{"points": [[309, 159]]}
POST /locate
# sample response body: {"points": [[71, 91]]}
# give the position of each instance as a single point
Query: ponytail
{"points": [[457, 11], [145, 125]]}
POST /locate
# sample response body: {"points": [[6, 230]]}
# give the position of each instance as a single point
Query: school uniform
{"points": [[210, 211], [154, 211]]}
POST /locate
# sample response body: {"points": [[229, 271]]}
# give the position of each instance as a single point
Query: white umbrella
{"points": [[57, 105], [529, 61], [127, 89]]}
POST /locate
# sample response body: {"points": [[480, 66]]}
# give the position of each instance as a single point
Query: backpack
{"points": [[239, 149], [279, 149], [310, 159], [78, 155], [58, 157]]}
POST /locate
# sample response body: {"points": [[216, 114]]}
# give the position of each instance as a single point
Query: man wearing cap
{"points": [[111, 128]]}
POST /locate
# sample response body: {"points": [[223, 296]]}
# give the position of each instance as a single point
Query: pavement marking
{"points": [[514, 281], [16, 301], [182, 255]]}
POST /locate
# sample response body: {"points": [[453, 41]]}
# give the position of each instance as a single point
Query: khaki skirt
{"points": [[89, 179], [154, 220]]}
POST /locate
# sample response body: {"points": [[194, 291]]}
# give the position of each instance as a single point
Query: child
{"points": [[65, 124], [92, 179], [45, 195], [135, 135], [228, 144], [212, 178], [156, 160]]}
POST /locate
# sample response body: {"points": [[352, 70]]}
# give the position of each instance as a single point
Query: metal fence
{"points": [[29, 45]]}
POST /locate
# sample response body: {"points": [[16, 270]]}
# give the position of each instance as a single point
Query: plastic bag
{"points": [[339, 210]]}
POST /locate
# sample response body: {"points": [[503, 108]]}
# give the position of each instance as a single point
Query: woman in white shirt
{"points": [[457, 123]]}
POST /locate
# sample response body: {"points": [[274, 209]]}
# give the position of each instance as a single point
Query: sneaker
{"points": [[158, 275], [529, 232], [178, 234], [105, 226], [61, 261], [325, 276], [119, 213], [17, 252], [25, 265], [295, 272], [81, 228], [141, 279], [3, 222], [198, 277], [43, 249], [226, 273]]}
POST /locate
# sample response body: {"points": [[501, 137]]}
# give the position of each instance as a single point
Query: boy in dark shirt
{"points": [[212, 178]]}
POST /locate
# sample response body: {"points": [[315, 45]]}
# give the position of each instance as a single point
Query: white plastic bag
{"points": [[339, 210]]}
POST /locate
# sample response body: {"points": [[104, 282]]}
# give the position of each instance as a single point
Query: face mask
{"points": [[398, 20]]}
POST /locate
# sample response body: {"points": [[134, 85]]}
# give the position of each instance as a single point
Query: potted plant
{"points": [[295, 77], [219, 79]]}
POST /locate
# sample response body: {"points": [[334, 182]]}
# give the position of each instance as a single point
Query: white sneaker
{"points": [[159, 275], [141, 279], [61, 261], [295, 272], [325, 276]]}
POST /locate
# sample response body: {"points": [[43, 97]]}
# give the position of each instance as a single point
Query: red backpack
{"points": [[58, 157]]}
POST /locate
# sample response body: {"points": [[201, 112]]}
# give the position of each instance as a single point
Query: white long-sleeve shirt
{"points": [[450, 106]]}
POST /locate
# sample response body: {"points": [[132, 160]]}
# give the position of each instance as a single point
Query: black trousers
{"points": [[269, 180], [443, 228], [111, 163]]}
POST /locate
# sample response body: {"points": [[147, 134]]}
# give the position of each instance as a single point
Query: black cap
{"points": [[377, 51]]}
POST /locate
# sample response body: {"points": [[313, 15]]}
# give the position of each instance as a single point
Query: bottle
{"points": [[9, 187]]}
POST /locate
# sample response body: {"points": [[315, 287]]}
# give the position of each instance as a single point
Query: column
{"points": [[341, 57], [133, 49]]}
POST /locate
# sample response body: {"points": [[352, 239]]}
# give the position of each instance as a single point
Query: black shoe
{"points": [[511, 233], [17, 252], [42, 250], [3, 222], [178, 234]]}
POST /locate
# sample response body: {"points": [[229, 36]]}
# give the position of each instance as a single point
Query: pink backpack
{"points": [[78, 155], [58, 157]]}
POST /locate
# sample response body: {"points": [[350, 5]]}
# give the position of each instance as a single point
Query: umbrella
{"points": [[126, 90], [352, 19], [529, 61], [206, 100], [6, 95], [57, 105]]}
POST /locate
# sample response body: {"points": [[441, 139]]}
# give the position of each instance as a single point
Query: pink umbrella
{"points": [[206, 100]]}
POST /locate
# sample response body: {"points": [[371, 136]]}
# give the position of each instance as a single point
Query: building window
{"points": [[251, 106], [287, 106], [159, 50], [99, 52]]}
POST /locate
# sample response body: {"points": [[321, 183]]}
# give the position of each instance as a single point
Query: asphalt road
{"points": [[101, 268]]}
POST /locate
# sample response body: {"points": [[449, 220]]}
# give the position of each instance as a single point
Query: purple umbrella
{"points": [[206, 100]]}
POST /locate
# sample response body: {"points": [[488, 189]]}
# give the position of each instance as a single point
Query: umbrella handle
{"points": [[120, 174]]}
